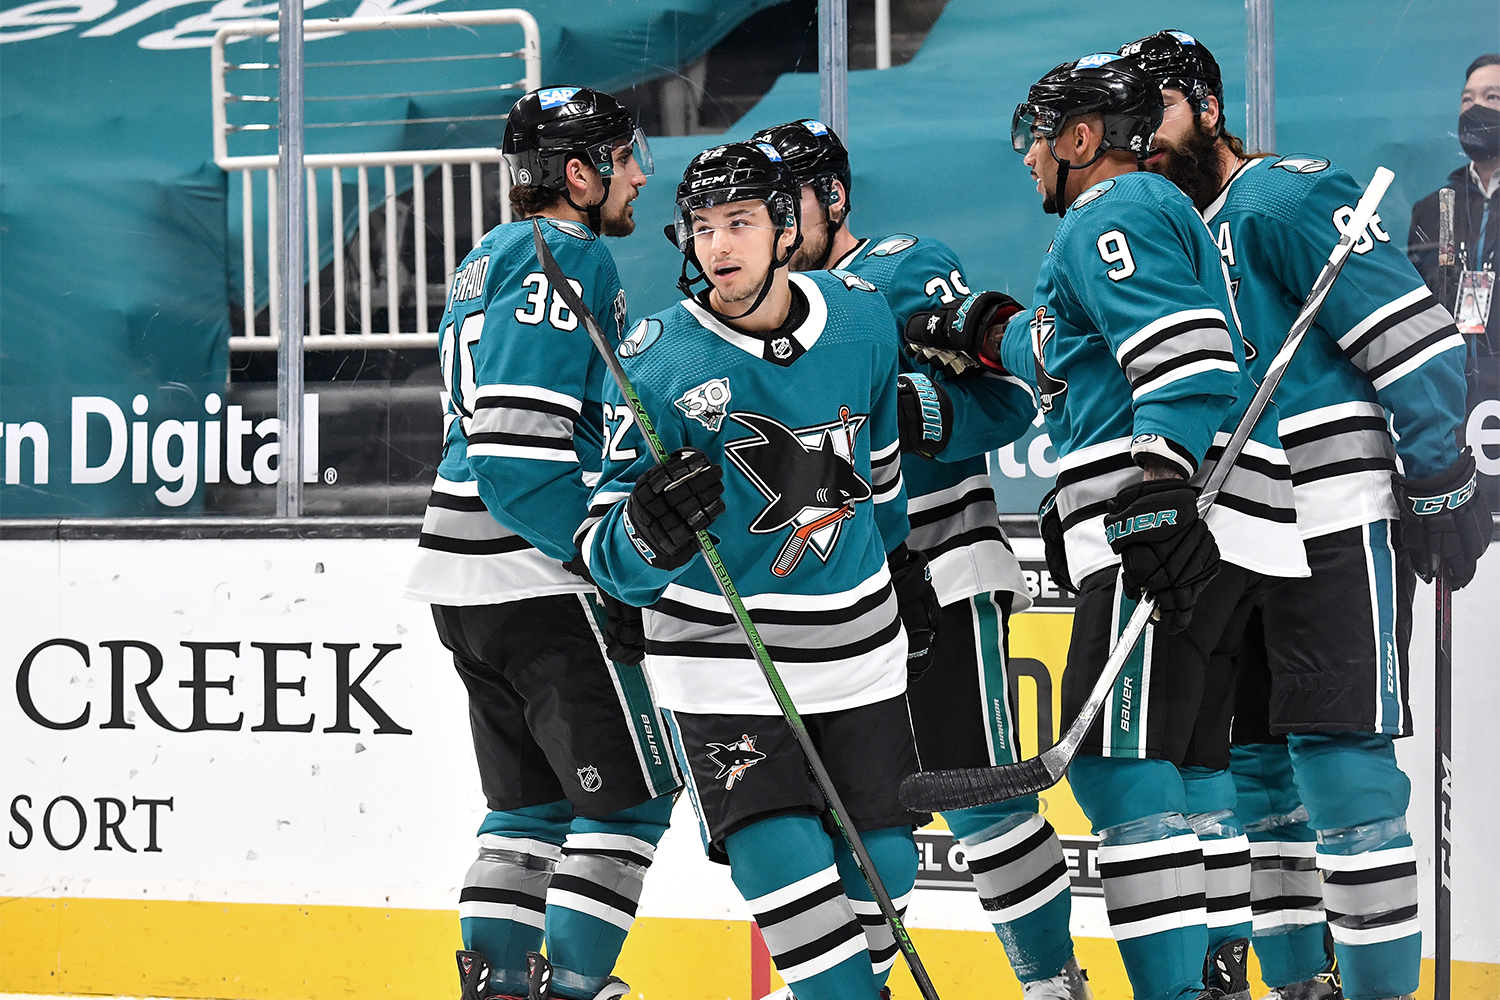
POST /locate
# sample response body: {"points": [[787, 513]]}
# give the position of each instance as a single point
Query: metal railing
{"points": [[339, 336]]}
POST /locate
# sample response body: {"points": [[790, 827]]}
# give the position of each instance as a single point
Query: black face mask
{"points": [[1479, 132]]}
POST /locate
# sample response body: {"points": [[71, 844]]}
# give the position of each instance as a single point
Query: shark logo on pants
{"points": [[734, 759]]}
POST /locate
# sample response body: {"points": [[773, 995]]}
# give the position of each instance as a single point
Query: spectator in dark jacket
{"points": [[1476, 211]]}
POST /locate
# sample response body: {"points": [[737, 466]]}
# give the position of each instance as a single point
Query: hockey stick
{"points": [[1442, 663], [937, 791], [752, 635]]}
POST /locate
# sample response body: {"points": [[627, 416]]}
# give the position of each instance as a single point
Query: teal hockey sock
{"points": [[594, 891], [1226, 853], [1018, 867], [895, 855], [1152, 869], [784, 867], [502, 904]]}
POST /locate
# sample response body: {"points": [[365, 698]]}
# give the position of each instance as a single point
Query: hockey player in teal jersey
{"points": [[1013, 853], [1323, 681], [779, 392], [1134, 352], [574, 769]]}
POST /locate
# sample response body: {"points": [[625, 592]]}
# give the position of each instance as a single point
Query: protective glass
{"points": [[1029, 121], [641, 150]]}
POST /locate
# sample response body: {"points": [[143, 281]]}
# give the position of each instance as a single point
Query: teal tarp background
{"points": [[117, 233]]}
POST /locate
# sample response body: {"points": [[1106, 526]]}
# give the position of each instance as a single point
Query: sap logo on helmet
{"points": [[893, 245], [771, 152], [1301, 164], [1095, 60], [1183, 37], [646, 333], [555, 96], [815, 127], [572, 229], [1097, 191]]}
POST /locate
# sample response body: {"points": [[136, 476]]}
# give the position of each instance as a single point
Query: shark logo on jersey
{"points": [[554, 97], [622, 313], [852, 281], [808, 478], [706, 403], [646, 333], [1048, 388], [573, 229], [1300, 164], [734, 759], [893, 245], [1094, 192]]}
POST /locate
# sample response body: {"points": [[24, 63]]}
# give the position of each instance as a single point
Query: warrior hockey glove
{"points": [[1165, 548], [624, 632], [918, 606], [670, 504], [1050, 523], [924, 414], [952, 336], [1442, 525]]}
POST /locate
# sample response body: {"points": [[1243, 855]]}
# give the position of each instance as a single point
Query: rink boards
{"points": [[240, 767]]}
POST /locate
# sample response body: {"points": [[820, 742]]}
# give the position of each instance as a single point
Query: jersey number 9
{"points": [[1114, 250]]}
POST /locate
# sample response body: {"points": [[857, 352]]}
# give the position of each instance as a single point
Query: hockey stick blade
{"points": [[821, 778], [941, 790]]}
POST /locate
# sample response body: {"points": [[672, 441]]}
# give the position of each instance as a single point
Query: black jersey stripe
{"points": [[1027, 891], [1281, 515], [1343, 425], [1181, 361], [794, 957], [473, 546], [980, 494], [1407, 353], [984, 533], [737, 650], [1082, 473], [526, 403], [800, 905], [1157, 908], [522, 440], [1253, 463], [1151, 863], [448, 501], [1302, 477], [489, 894], [1175, 330], [1396, 318], [775, 616]]}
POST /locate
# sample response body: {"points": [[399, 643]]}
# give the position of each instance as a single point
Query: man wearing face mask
{"points": [[1476, 213]]}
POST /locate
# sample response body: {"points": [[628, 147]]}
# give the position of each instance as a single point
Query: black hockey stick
{"points": [[752, 635], [937, 791], [1442, 664]]}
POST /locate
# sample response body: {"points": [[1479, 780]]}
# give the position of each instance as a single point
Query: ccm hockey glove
{"points": [[1165, 548], [918, 606], [670, 504], [924, 414], [952, 336], [623, 631], [1442, 526]]}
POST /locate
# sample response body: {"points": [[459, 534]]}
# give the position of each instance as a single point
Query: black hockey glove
{"points": [[924, 414], [670, 504], [1050, 523], [952, 336], [1165, 548], [623, 631], [1443, 526], [918, 605]]}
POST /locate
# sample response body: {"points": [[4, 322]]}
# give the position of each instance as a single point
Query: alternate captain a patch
{"points": [[734, 759], [808, 478]]}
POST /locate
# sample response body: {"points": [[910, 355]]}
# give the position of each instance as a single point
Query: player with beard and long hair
{"points": [[1322, 676]]}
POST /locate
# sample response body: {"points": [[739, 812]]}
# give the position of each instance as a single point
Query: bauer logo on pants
{"points": [[734, 759]]}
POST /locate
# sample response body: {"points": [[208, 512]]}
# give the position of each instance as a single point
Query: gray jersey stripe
{"points": [[523, 422]]}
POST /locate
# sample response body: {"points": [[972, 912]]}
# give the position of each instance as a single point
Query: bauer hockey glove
{"points": [[924, 414], [623, 630], [1165, 548], [670, 504], [1443, 526], [952, 336], [917, 603]]}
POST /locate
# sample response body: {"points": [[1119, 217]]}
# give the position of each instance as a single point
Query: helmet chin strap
{"points": [[1063, 166], [833, 229], [702, 297], [595, 211]]}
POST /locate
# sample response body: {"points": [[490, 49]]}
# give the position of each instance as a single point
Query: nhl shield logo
{"points": [[589, 778], [734, 759], [782, 347]]}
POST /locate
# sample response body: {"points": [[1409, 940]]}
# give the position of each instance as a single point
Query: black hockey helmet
{"points": [[737, 171], [549, 127], [1107, 84], [817, 158], [1177, 59]]}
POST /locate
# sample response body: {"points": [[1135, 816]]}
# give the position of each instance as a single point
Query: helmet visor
{"points": [[610, 157], [1031, 122], [688, 223]]}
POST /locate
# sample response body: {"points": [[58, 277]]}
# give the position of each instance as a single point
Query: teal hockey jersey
{"points": [[803, 423], [951, 505], [1382, 345], [1132, 346], [523, 432]]}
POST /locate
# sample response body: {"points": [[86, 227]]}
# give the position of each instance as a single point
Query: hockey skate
{"points": [[1072, 983], [540, 972], [1323, 986], [1225, 970]]}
